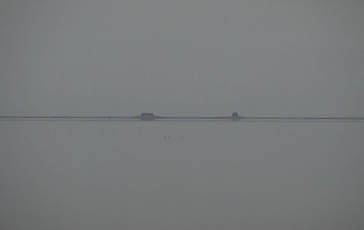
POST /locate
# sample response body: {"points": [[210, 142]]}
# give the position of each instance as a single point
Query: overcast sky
{"points": [[276, 57]]}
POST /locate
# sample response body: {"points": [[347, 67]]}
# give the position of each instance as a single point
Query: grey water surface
{"points": [[181, 175]]}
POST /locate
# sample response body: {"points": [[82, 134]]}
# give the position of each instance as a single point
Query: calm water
{"points": [[181, 175]]}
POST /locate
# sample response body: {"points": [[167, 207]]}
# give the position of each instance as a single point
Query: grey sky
{"points": [[182, 57]]}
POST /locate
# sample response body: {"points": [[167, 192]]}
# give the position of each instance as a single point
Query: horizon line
{"points": [[152, 117]]}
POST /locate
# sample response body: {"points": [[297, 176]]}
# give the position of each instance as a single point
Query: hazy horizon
{"points": [[181, 58]]}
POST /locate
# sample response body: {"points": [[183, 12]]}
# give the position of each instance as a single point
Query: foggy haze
{"points": [[181, 58]]}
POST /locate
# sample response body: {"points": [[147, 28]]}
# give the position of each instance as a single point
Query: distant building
{"points": [[147, 116], [235, 116]]}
